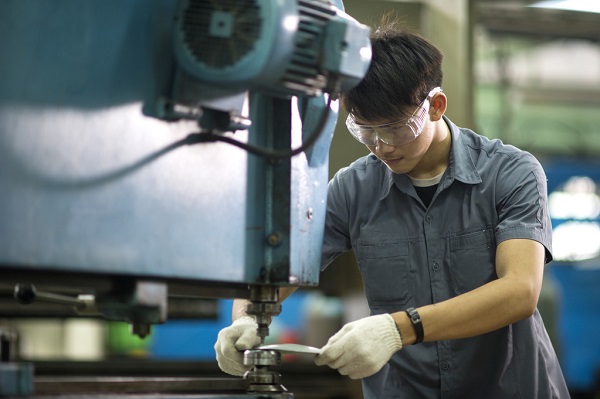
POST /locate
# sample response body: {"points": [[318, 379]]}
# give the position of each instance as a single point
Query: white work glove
{"points": [[239, 336], [363, 347]]}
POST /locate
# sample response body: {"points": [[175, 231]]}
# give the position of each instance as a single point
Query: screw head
{"points": [[309, 213], [274, 239]]}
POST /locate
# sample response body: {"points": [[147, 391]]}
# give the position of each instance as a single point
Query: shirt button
{"points": [[444, 366], [429, 218], [435, 266]]}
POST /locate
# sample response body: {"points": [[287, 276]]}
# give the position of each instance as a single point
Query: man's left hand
{"points": [[361, 348]]}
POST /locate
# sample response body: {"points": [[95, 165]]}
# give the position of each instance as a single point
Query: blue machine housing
{"points": [[75, 77]]}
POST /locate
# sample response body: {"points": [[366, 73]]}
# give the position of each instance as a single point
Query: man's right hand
{"points": [[232, 341]]}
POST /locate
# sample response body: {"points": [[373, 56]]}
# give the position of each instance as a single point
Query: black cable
{"points": [[117, 174], [190, 139], [266, 152]]}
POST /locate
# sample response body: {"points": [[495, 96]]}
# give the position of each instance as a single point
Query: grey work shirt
{"points": [[412, 255]]}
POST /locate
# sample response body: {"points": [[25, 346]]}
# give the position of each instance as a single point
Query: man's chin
{"points": [[399, 167]]}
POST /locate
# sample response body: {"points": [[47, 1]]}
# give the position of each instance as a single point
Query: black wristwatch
{"points": [[416, 321]]}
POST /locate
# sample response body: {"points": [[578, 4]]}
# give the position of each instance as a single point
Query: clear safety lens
{"points": [[394, 133]]}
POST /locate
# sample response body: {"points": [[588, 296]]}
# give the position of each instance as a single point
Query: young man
{"points": [[451, 232]]}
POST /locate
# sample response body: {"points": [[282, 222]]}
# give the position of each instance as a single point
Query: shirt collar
{"points": [[460, 166]]}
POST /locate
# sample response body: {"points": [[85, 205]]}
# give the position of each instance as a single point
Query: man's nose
{"points": [[382, 147]]}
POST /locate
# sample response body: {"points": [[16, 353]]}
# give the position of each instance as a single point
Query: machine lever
{"points": [[26, 293]]}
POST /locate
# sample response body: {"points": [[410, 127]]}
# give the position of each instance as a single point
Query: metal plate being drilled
{"points": [[291, 348]]}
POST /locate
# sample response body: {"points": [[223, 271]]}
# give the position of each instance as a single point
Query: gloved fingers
{"points": [[339, 363], [357, 370], [353, 365], [248, 340], [329, 354], [346, 359], [342, 334], [333, 350], [229, 335], [232, 367], [348, 369], [320, 360], [361, 348], [229, 359], [226, 349]]}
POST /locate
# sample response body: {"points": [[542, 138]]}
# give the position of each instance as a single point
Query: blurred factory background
{"points": [[525, 74]]}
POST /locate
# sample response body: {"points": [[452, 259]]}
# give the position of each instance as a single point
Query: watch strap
{"points": [[415, 318]]}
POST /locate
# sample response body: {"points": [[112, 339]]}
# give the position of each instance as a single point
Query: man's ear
{"points": [[438, 105]]}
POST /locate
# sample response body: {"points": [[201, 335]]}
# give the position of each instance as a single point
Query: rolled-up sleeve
{"points": [[522, 203]]}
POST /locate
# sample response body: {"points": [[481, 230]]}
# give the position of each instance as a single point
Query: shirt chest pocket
{"points": [[472, 259], [385, 271]]}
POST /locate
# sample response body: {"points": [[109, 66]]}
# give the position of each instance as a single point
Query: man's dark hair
{"points": [[404, 68]]}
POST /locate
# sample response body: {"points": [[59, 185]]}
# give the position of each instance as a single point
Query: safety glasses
{"points": [[394, 133]]}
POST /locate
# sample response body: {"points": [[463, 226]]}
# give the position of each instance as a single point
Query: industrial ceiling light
{"points": [[572, 5]]}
